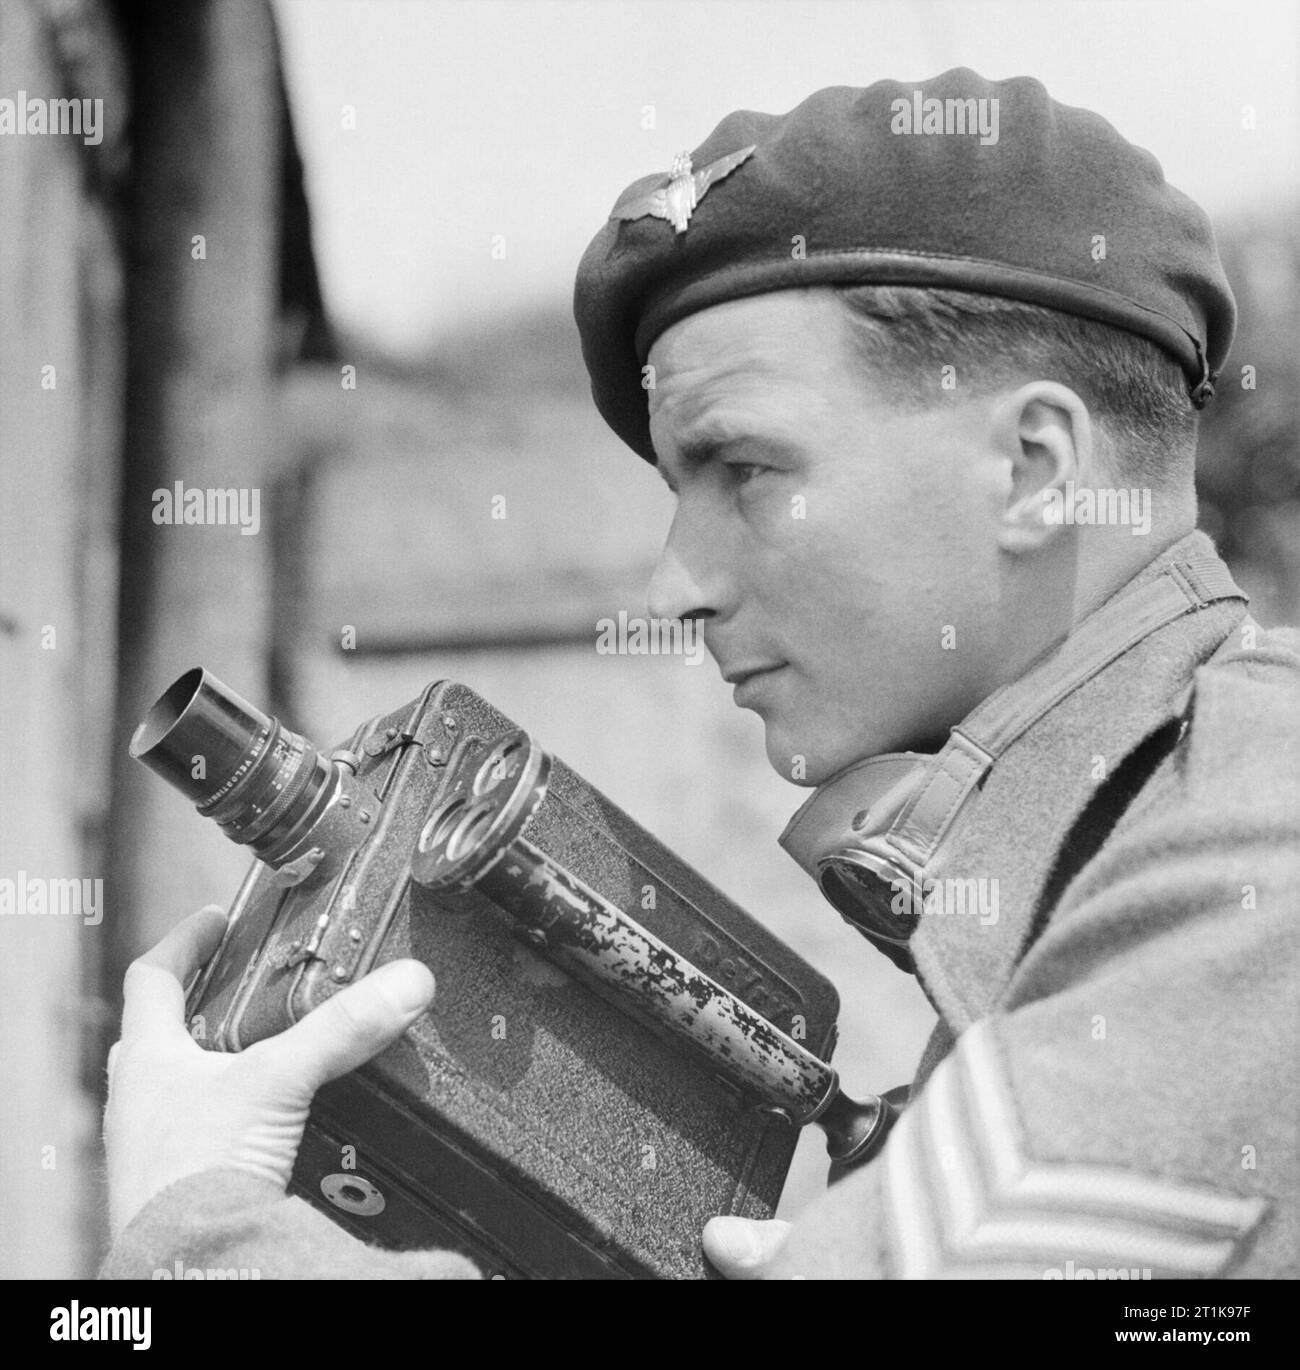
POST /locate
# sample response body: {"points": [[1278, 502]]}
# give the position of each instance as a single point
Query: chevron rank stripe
{"points": [[966, 1199]]}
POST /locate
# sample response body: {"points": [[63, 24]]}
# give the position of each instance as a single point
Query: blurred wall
{"points": [[62, 359]]}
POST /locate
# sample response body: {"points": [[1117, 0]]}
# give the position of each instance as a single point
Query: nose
{"points": [[675, 590]]}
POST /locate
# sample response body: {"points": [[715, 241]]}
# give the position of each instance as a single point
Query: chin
{"points": [[782, 750], [824, 758]]}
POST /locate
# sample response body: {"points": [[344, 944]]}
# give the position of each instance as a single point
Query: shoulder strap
{"points": [[1190, 582]]}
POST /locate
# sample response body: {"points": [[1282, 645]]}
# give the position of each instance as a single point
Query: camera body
{"points": [[554, 1114]]}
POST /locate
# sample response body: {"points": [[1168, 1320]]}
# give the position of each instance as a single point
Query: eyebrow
{"points": [[703, 447], [710, 443]]}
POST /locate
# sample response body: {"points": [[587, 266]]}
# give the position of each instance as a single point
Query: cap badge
{"points": [[676, 201]]}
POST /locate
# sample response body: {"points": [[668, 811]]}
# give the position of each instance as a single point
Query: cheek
{"points": [[792, 572], [856, 620], [823, 565]]}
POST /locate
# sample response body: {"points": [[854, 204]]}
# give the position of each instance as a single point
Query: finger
{"points": [[741, 1248], [356, 1024], [153, 991]]}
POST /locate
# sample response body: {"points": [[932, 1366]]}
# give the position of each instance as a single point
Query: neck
{"points": [[1045, 599]]}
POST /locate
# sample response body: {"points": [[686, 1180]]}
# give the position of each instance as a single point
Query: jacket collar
{"points": [[1031, 799]]}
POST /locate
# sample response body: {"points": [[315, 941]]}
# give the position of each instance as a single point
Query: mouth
{"points": [[738, 675], [751, 676]]}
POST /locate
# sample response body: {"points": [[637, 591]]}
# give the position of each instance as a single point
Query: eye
{"points": [[742, 472]]}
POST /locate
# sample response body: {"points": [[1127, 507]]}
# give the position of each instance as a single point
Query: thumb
{"points": [[742, 1248], [354, 1025]]}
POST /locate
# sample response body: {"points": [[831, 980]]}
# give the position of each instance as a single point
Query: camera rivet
{"points": [[535, 936], [449, 722], [434, 756], [340, 972], [364, 815], [345, 801], [353, 1194], [354, 934], [861, 819], [390, 732]]}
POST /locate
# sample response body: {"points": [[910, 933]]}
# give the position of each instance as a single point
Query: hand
{"points": [[176, 1110], [746, 1249]]}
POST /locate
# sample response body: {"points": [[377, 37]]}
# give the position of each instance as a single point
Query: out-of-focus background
{"points": [[323, 249]]}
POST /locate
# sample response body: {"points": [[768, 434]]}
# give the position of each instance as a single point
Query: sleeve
{"points": [[1129, 1112], [229, 1225]]}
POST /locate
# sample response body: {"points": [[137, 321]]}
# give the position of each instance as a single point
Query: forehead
{"points": [[764, 356]]}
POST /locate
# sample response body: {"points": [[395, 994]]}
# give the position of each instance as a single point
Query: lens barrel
{"points": [[264, 785]]}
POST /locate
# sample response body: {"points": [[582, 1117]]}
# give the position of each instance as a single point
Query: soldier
{"points": [[922, 366]]}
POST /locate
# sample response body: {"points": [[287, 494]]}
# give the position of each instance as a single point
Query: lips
{"points": [[740, 675]]}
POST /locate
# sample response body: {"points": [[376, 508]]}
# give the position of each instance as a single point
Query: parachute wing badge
{"points": [[676, 201]]}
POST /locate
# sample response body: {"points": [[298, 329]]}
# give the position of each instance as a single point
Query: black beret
{"points": [[902, 184]]}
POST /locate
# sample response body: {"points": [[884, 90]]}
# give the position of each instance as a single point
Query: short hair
{"points": [[1137, 393]]}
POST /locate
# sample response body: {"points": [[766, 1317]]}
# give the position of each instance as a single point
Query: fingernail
{"points": [[409, 985]]}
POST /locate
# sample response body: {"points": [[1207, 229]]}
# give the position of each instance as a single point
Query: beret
{"points": [[956, 182]]}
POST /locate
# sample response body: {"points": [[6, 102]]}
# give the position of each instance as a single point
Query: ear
{"points": [[1045, 432]]}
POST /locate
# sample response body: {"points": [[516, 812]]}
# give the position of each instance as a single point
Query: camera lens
{"points": [[263, 785]]}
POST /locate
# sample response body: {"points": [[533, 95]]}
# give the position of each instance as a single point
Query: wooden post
{"points": [[203, 243]]}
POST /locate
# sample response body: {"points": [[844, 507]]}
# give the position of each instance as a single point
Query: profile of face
{"points": [[846, 557]]}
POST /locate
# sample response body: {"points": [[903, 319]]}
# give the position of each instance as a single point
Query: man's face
{"points": [[838, 551]]}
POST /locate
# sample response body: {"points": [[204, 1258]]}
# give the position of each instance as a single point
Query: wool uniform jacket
{"points": [[1111, 1091]]}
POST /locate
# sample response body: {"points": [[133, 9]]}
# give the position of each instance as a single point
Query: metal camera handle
{"points": [[474, 838]]}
